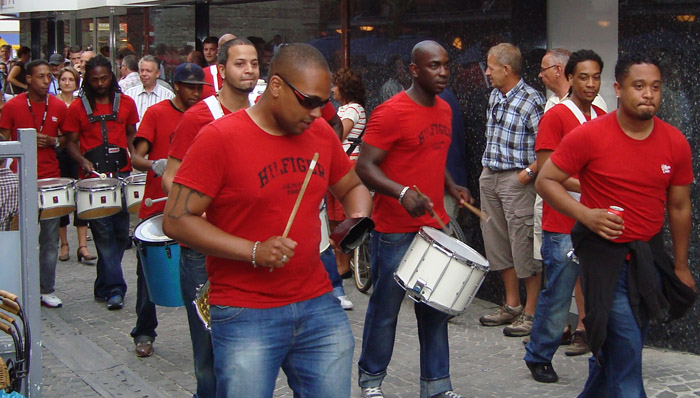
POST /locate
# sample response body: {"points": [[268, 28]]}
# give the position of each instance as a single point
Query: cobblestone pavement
{"points": [[87, 351]]}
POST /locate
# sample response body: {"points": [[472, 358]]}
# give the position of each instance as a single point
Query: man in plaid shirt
{"points": [[507, 186]]}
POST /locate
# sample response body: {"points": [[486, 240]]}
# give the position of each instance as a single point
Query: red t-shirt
{"points": [[16, 115], [157, 125], [554, 125], [208, 90], [254, 179], [416, 139], [191, 122], [616, 170], [91, 133], [328, 111]]}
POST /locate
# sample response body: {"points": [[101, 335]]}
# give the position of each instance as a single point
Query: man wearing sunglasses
{"points": [[405, 145], [271, 300]]}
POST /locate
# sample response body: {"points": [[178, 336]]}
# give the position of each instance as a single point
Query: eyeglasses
{"points": [[549, 67], [307, 101]]}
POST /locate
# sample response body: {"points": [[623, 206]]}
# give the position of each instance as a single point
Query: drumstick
{"points": [[432, 213], [312, 166], [474, 209], [149, 202], [101, 175]]}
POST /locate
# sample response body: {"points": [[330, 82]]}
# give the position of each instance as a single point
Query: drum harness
{"points": [[107, 158]]}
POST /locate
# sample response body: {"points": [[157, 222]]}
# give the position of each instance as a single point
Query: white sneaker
{"points": [[372, 392], [345, 302], [51, 301]]}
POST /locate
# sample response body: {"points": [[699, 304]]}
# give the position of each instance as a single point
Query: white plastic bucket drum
{"points": [[97, 198], [56, 197], [134, 186], [441, 271]]}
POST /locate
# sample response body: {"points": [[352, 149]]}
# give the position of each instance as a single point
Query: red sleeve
{"points": [[340, 164], [380, 130], [683, 174], [184, 133], [61, 113], [549, 132], [147, 128], [568, 156], [132, 116], [328, 111], [73, 117], [204, 166]]}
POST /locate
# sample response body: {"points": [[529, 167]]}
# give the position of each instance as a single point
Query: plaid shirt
{"points": [[511, 127], [9, 201]]}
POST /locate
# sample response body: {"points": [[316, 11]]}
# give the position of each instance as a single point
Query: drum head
{"points": [[97, 184], [48, 183], [459, 249], [151, 230], [136, 179]]}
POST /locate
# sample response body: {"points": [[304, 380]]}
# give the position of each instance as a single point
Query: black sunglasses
{"points": [[307, 101]]}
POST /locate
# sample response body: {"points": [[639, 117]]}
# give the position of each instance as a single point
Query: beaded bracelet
{"points": [[255, 248], [403, 193]]}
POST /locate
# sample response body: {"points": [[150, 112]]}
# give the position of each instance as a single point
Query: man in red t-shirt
{"points": [[239, 67], [88, 130], [635, 161], [405, 145], [153, 139], [36, 109], [211, 72], [583, 70], [246, 171]]}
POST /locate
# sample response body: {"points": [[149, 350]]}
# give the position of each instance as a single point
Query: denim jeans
{"points": [[48, 254], [310, 340], [621, 354], [146, 319], [193, 274], [379, 334], [328, 260], [554, 301], [111, 237]]}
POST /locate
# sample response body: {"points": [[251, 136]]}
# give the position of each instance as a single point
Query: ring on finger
{"points": [[284, 258]]}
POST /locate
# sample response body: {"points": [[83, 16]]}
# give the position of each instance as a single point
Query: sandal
{"points": [[64, 257], [86, 257]]}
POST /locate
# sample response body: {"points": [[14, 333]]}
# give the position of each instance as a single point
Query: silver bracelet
{"points": [[255, 248], [403, 193]]}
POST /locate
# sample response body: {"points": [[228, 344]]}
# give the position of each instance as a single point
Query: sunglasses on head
{"points": [[307, 101]]}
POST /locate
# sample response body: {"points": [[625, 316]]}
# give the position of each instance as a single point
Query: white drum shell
{"points": [[441, 271], [96, 198], [56, 197], [325, 230], [134, 188]]}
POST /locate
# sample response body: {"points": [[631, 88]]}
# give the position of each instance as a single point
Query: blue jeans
{"points": [[111, 237], [146, 319], [310, 340], [48, 254], [379, 334], [328, 260], [193, 274], [621, 374], [554, 301]]}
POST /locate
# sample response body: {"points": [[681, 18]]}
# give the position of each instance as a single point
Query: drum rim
{"points": [[70, 183], [130, 179], [424, 233], [152, 243], [117, 184]]}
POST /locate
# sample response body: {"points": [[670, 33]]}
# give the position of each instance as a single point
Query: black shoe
{"points": [[115, 302], [346, 275], [542, 372]]}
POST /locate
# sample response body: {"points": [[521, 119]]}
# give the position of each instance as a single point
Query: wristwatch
{"points": [[530, 172], [57, 143]]}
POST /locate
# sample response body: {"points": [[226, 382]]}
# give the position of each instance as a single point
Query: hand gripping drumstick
{"points": [[474, 209], [149, 202], [432, 213], [309, 172], [101, 175]]}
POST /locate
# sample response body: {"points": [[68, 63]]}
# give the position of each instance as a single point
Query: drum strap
{"points": [[106, 157], [214, 106], [577, 112], [214, 74]]}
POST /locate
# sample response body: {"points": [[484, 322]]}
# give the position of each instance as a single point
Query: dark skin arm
{"points": [[73, 148], [138, 159], [572, 184], [337, 125], [679, 220]]}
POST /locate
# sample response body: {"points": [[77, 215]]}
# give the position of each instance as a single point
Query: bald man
{"points": [[271, 301], [406, 143]]}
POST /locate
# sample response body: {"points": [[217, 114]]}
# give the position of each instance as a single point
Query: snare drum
{"points": [[97, 198], [160, 259], [134, 186], [325, 228], [441, 271], [56, 197]]}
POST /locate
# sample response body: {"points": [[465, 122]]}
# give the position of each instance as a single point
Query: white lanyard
{"points": [[214, 106], [577, 112]]}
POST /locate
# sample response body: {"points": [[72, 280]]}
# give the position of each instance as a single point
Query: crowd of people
{"points": [[576, 199]]}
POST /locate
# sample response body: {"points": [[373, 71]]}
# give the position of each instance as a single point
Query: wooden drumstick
{"points": [[149, 202], [432, 213], [312, 166], [475, 210], [101, 175]]}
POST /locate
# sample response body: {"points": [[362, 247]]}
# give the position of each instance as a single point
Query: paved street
{"points": [[88, 351]]}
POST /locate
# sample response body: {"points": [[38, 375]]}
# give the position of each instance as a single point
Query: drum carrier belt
{"points": [[106, 158]]}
